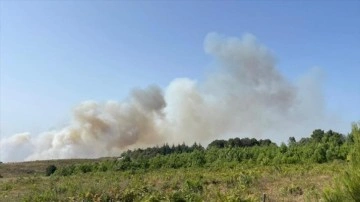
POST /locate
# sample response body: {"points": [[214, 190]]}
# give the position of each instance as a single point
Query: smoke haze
{"points": [[246, 96]]}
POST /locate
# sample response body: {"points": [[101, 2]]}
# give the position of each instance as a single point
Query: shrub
{"points": [[178, 196], [84, 168], [50, 170], [66, 171], [349, 187]]}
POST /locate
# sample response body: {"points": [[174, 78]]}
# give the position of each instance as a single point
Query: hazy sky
{"points": [[56, 54]]}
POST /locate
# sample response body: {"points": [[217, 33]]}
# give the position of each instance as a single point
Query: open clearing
{"points": [[26, 181]]}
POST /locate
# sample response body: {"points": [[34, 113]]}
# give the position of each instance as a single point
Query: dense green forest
{"points": [[320, 147]]}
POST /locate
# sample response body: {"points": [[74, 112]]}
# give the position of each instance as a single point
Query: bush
{"points": [[348, 187], [84, 168], [66, 171], [50, 170]]}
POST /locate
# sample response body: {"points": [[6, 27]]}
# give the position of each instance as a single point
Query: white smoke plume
{"points": [[246, 97]]}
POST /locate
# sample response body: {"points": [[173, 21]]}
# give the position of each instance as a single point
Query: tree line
{"points": [[320, 147]]}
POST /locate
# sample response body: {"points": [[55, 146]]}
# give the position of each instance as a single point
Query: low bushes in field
{"points": [[347, 187], [227, 170], [321, 147], [50, 170]]}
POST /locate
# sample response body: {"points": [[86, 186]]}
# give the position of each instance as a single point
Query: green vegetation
{"points": [[348, 186], [227, 170], [50, 170], [240, 182]]}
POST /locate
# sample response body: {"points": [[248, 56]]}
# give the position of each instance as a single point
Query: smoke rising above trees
{"points": [[245, 96]]}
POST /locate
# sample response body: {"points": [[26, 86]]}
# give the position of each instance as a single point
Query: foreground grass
{"points": [[232, 182]]}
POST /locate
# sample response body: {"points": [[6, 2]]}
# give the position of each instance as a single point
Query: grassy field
{"points": [[26, 181]]}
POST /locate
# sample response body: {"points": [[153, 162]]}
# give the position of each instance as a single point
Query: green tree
{"points": [[349, 187], [292, 141], [317, 135], [283, 148]]}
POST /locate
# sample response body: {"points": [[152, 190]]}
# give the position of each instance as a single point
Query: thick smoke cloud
{"points": [[245, 96]]}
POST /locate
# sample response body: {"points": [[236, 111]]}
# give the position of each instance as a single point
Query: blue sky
{"points": [[56, 54]]}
